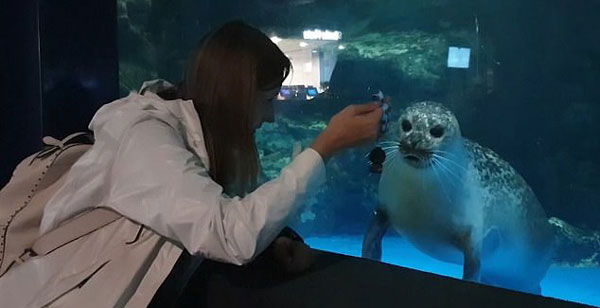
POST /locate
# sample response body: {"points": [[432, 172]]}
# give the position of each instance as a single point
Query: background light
{"points": [[276, 39], [308, 67], [458, 57]]}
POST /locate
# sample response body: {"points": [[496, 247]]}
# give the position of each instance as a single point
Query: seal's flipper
{"points": [[472, 262], [471, 266], [371, 248]]}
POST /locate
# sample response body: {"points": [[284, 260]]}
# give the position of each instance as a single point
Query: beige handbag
{"points": [[22, 202]]}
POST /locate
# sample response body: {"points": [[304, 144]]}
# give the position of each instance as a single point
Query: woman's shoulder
{"points": [[119, 117], [145, 100]]}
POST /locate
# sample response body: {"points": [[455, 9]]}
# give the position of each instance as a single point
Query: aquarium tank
{"points": [[520, 77]]}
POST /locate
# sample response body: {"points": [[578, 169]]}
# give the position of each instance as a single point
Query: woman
{"points": [[183, 173]]}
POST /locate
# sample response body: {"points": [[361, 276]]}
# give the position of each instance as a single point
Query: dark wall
{"points": [[20, 99], [79, 62], [61, 66]]}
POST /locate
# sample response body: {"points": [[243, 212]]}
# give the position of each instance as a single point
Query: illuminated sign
{"points": [[322, 35]]}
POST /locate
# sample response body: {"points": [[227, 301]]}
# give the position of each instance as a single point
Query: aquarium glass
{"points": [[521, 77]]}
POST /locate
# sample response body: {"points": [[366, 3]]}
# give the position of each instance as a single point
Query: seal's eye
{"points": [[406, 126], [437, 131]]}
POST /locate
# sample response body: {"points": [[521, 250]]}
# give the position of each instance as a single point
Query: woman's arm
{"points": [[158, 182]]}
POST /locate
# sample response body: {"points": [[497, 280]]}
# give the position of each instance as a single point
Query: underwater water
{"points": [[520, 77], [562, 282]]}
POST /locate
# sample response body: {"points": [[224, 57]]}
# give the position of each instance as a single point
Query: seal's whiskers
{"points": [[448, 171], [446, 159], [437, 175]]}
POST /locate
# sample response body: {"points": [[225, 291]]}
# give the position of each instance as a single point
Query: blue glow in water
{"points": [[567, 283]]}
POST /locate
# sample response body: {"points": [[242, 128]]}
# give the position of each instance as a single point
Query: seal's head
{"points": [[426, 128]]}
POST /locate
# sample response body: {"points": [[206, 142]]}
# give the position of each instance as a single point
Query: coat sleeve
{"points": [[158, 182]]}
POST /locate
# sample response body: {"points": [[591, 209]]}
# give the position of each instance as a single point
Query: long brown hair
{"points": [[230, 66]]}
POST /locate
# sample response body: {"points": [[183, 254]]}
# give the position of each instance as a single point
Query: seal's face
{"points": [[425, 129]]}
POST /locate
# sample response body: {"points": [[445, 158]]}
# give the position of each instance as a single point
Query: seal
{"points": [[460, 202]]}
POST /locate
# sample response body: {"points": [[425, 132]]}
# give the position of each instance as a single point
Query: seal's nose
{"points": [[413, 142]]}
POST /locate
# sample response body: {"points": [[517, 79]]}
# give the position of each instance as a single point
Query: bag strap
{"points": [[72, 230], [49, 140], [51, 144]]}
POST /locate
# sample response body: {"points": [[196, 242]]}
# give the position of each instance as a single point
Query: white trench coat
{"points": [[149, 163]]}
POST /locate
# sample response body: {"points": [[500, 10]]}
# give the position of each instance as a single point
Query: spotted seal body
{"points": [[459, 202]]}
